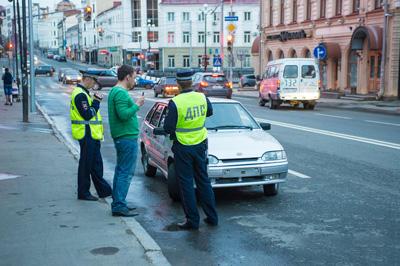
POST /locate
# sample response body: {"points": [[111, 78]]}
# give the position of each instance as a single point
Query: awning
{"points": [[373, 35], [255, 47], [332, 50]]}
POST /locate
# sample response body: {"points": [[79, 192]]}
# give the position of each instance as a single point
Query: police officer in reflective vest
{"points": [[185, 120], [87, 128]]}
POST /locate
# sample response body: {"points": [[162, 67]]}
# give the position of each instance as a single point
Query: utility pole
{"points": [[221, 36], [260, 55], [191, 46], [23, 51], [231, 54], [384, 44], [16, 47], [205, 39], [31, 52]]}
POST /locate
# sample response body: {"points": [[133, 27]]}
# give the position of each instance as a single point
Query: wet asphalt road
{"points": [[340, 205]]}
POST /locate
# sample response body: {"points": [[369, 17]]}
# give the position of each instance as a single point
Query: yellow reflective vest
{"points": [[78, 123], [192, 112]]}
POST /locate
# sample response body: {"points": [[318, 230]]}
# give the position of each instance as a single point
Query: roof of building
{"points": [[115, 5], [201, 2]]}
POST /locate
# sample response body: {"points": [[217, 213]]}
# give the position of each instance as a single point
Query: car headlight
{"points": [[212, 159], [67, 77], [274, 156]]}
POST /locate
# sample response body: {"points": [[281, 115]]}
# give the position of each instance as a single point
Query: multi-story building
{"points": [[47, 28], [111, 35], [72, 42], [351, 31], [69, 20], [191, 30]]}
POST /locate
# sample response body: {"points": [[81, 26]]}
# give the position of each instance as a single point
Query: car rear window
{"points": [[290, 71], [251, 77], [215, 78], [170, 80], [308, 71]]}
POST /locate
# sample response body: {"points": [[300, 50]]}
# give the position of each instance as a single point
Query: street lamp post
{"points": [[205, 13], [149, 26]]}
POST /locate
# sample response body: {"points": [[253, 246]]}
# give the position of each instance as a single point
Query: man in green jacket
{"points": [[124, 129]]}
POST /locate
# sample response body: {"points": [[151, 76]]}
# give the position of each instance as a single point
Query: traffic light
{"points": [[10, 46], [87, 13], [229, 39]]}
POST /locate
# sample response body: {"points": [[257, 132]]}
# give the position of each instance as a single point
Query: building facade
{"points": [[192, 31], [351, 31], [47, 28]]}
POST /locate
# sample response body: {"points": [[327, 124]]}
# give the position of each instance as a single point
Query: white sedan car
{"points": [[240, 151]]}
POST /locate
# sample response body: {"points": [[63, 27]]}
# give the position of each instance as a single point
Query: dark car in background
{"points": [[144, 83], [61, 73], [50, 55], [212, 84], [62, 58], [247, 81], [71, 76], [166, 86], [105, 77], [44, 70]]}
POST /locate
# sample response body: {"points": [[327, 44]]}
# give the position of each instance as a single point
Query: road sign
{"points": [[320, 52], [231, 18], [231, 27], [217, 61]]}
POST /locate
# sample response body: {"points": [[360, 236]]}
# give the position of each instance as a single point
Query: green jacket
{"points": [[122, 114]]}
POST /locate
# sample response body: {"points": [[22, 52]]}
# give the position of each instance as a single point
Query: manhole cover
{"points": [[104, 251]]}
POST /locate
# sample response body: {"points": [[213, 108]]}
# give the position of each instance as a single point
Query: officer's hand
{"points": [[98, 96], [140, 101]]}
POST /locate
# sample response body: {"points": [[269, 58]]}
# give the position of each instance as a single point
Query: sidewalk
{"points": [[385, 107], [42, 222]]}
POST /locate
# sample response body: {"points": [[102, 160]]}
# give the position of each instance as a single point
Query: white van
{"points": [[290, 80]]}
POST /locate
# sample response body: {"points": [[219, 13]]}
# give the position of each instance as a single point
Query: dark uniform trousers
{"points": [[91, 164], [191, 163]]}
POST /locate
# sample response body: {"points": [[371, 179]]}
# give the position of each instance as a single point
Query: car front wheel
{"points": [[261, 102], [148, 169], [173, 186], [271, 189]]}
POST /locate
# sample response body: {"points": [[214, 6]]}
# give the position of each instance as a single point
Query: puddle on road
{"points": [[107, 251]]}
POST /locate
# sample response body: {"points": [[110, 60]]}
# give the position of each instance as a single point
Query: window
{"points": [[322, 9], [152, 11], [290, 72], [271, 14], [378, 4], [150, 114], [308, 13], [247, 37], [201, 37], [282, 19], [157, 115], [247, 60], [94, 23], [356, 6], [171, 37], [152, 36], [93, 9], [54, 33], [171, 61], [217, 16], [171, 16], [84, 41], [136, 36], [338, 10], [247, 16], [200, 60], [308, 71], [202, 16], [294, 10], [186, 61], [186, 37], [136, 13], [216, 37], [94, 39], [231, 14], [185, 16]]}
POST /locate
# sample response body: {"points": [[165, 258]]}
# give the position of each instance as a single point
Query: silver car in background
{"points": [[240, 151]]}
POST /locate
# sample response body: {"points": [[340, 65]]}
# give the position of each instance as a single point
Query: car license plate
{"points": [[290, 90], [241, 172], [217, 87]]}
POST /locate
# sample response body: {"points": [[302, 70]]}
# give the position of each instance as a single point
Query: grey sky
{"points": [[44, 3]]}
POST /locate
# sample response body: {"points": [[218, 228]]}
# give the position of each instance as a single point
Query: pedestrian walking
{"points": [[185, 120], [7, 82], [124, 127], [87, 128]]}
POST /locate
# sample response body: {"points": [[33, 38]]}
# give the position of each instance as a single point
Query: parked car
{"points": [[105, 77], [144, 83], [62, 58], [166, 86], [257, 159], [290, 80], [212, 84], [55, 57], [71, 76], [44, 70], [50, 55], [61, 73], [247, 81]]}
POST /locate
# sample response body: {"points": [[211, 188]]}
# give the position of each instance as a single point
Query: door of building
{"points": [[374, 71], [353, 67]]}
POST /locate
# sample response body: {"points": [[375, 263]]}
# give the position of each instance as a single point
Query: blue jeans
{"points": [[124, 170]]}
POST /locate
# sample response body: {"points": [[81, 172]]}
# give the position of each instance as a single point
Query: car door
{"points": [[160, 85], [156, 141]]}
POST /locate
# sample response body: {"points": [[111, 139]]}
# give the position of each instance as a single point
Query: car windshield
{"points": [[45, 67], [290, 71], [109, 73], [230, 116], [71, 72], [215, 78], [170, 80], [308, 71]]}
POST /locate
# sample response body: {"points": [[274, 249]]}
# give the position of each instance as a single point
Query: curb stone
{"points": [[152, 250]]}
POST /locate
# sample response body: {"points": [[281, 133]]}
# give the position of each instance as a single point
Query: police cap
{"points": [[183, 75], [85, 74]]}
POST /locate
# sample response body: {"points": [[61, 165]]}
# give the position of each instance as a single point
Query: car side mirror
{"points": [[265, 126], [158, 131]]}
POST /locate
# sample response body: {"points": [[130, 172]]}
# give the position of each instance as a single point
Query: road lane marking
{"points": [[376, 142], [383, 123], [4, 176], [334, 116], [292, 172]]}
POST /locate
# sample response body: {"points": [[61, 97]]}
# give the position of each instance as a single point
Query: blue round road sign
{"points": [[320, 52]]}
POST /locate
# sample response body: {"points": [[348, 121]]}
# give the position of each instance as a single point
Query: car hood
{"points": [[237, 144]]}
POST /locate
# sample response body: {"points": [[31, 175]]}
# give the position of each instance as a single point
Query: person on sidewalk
{"points": [[7, 81], [87, 128], [124, 129], [186, 126]]}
